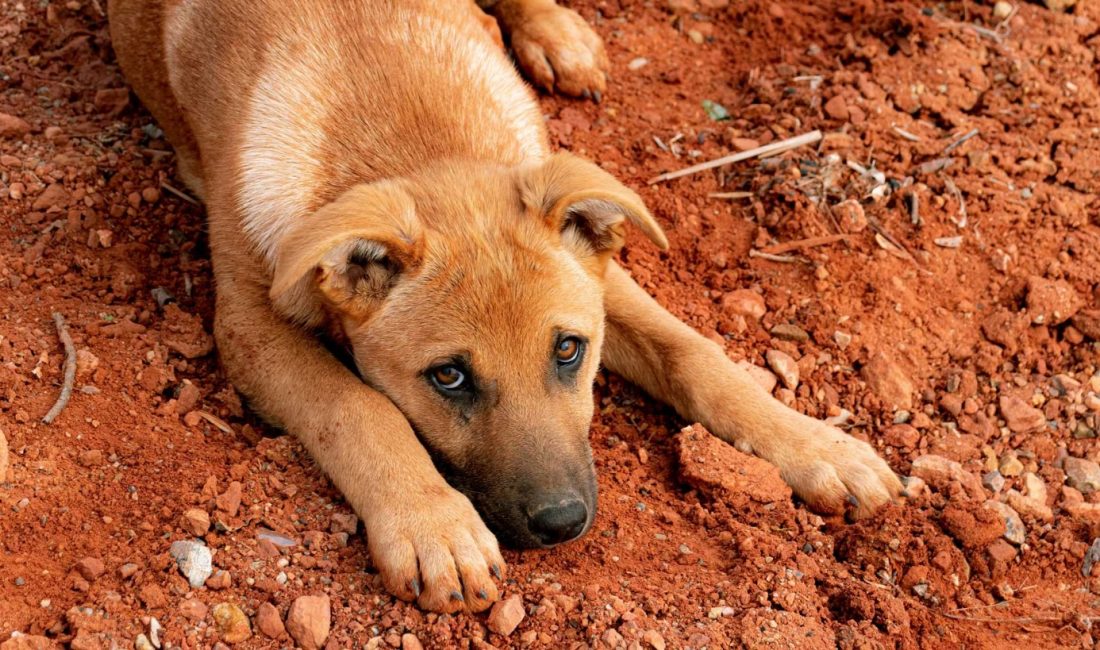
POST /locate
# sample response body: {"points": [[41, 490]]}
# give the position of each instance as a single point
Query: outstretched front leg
{"points": [[553, 45], [649, 346]]}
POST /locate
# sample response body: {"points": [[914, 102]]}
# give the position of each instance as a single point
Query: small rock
{"points": [[309, 620], [12, 126], [851, 216], [410, 642], [1002, 10], [230, 501], [1087, 321], [233, 626], [506, 615], [1015, 531], [611, 638], [637, 63], [1020, 416], [1002, 551], [194, 559], [193, 609], [343, 523], [837, 108], [127, 570], [744, 302], [90, 568], [269, 622], [154, 632], [112, 100], [939, 472], [888, 381], [843, 339], [790, 332], [1092, 556], [784, 367], [54, 195], [1034, 503], [3, 458], [653, 639], [993, 481], [1010, 464], [142, 643], [1051, 302], [196, 522], [1082, 475], [221, 579]]}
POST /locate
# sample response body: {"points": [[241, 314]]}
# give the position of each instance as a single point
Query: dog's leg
{"points": [[425, 538], [652, 348], [555, 46]]}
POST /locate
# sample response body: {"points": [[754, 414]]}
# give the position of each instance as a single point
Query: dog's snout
{"points": [[558, 521]]}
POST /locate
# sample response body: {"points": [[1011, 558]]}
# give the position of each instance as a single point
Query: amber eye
{"points": [[568, 350], [448, 377]]}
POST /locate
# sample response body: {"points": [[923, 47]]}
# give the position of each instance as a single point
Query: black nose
{"points": [[557, 522]]}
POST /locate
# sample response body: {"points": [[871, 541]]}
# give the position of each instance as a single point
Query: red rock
{"points": [[12, 126], [195, 521], [1051, 302], [221, 579], [188, 398], [54, 195], [1020, 416], [971, 524], [939, 473], [230, 501], [506, 615], [888, 381], [3, 457], [901, 435], [269, 622], [308, 621], [343, 523], [1087, 321], [28, 642], [90, 568], [153, 596], [193, 609], [112, 100], [784, 367], [837, 108], [744, 302], [851, 216], [1002, 551], [762, 376], [718, 469], [410, 642]]}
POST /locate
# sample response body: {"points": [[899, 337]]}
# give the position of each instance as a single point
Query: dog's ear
{"points": [[348, 254], [588, 206]]}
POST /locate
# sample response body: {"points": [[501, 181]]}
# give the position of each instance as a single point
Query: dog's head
{"points": [[472, 297]]}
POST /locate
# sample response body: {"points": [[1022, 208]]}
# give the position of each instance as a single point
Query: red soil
{"points": [[939, 351]]}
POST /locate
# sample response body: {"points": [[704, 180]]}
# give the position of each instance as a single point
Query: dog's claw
{"points": [[586, 94], [852, 501], [414, 585], [482, 594], [457, 596], [597, 96], [497, 572]]}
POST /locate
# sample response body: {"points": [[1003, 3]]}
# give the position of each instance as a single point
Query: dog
{"points": [[378, 179]]}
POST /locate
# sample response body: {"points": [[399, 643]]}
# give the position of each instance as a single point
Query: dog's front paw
{"points": [[436, 551], [833, 471], [558, 50]]}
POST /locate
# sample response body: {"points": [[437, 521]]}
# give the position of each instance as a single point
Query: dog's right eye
{"points": [[448, 378]]}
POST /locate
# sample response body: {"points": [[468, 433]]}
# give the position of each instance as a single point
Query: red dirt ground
{"points": [[985, 353]]}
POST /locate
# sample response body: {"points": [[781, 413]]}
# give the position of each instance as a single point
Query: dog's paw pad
{"points": [[559, 51]]}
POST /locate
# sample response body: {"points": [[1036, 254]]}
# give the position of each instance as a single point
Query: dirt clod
{"points": [[309, 620]]}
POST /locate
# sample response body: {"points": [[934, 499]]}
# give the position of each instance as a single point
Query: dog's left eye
{"points": [[448, 378], [568, 350]]}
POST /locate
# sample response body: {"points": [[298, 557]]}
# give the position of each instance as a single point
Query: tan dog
{"points": [[377, 173]]}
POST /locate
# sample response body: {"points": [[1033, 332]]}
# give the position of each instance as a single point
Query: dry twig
{"points": [[799, 244], [730, 195], [766, 150], [70, 369], [905, 134], [785, 259], [966, 136], [179, 193]]}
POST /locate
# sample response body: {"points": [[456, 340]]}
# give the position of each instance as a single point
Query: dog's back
{"points": [[340, 92]]}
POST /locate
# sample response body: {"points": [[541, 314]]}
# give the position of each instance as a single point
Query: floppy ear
{"points": [[347, 255], [588, 206]]}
